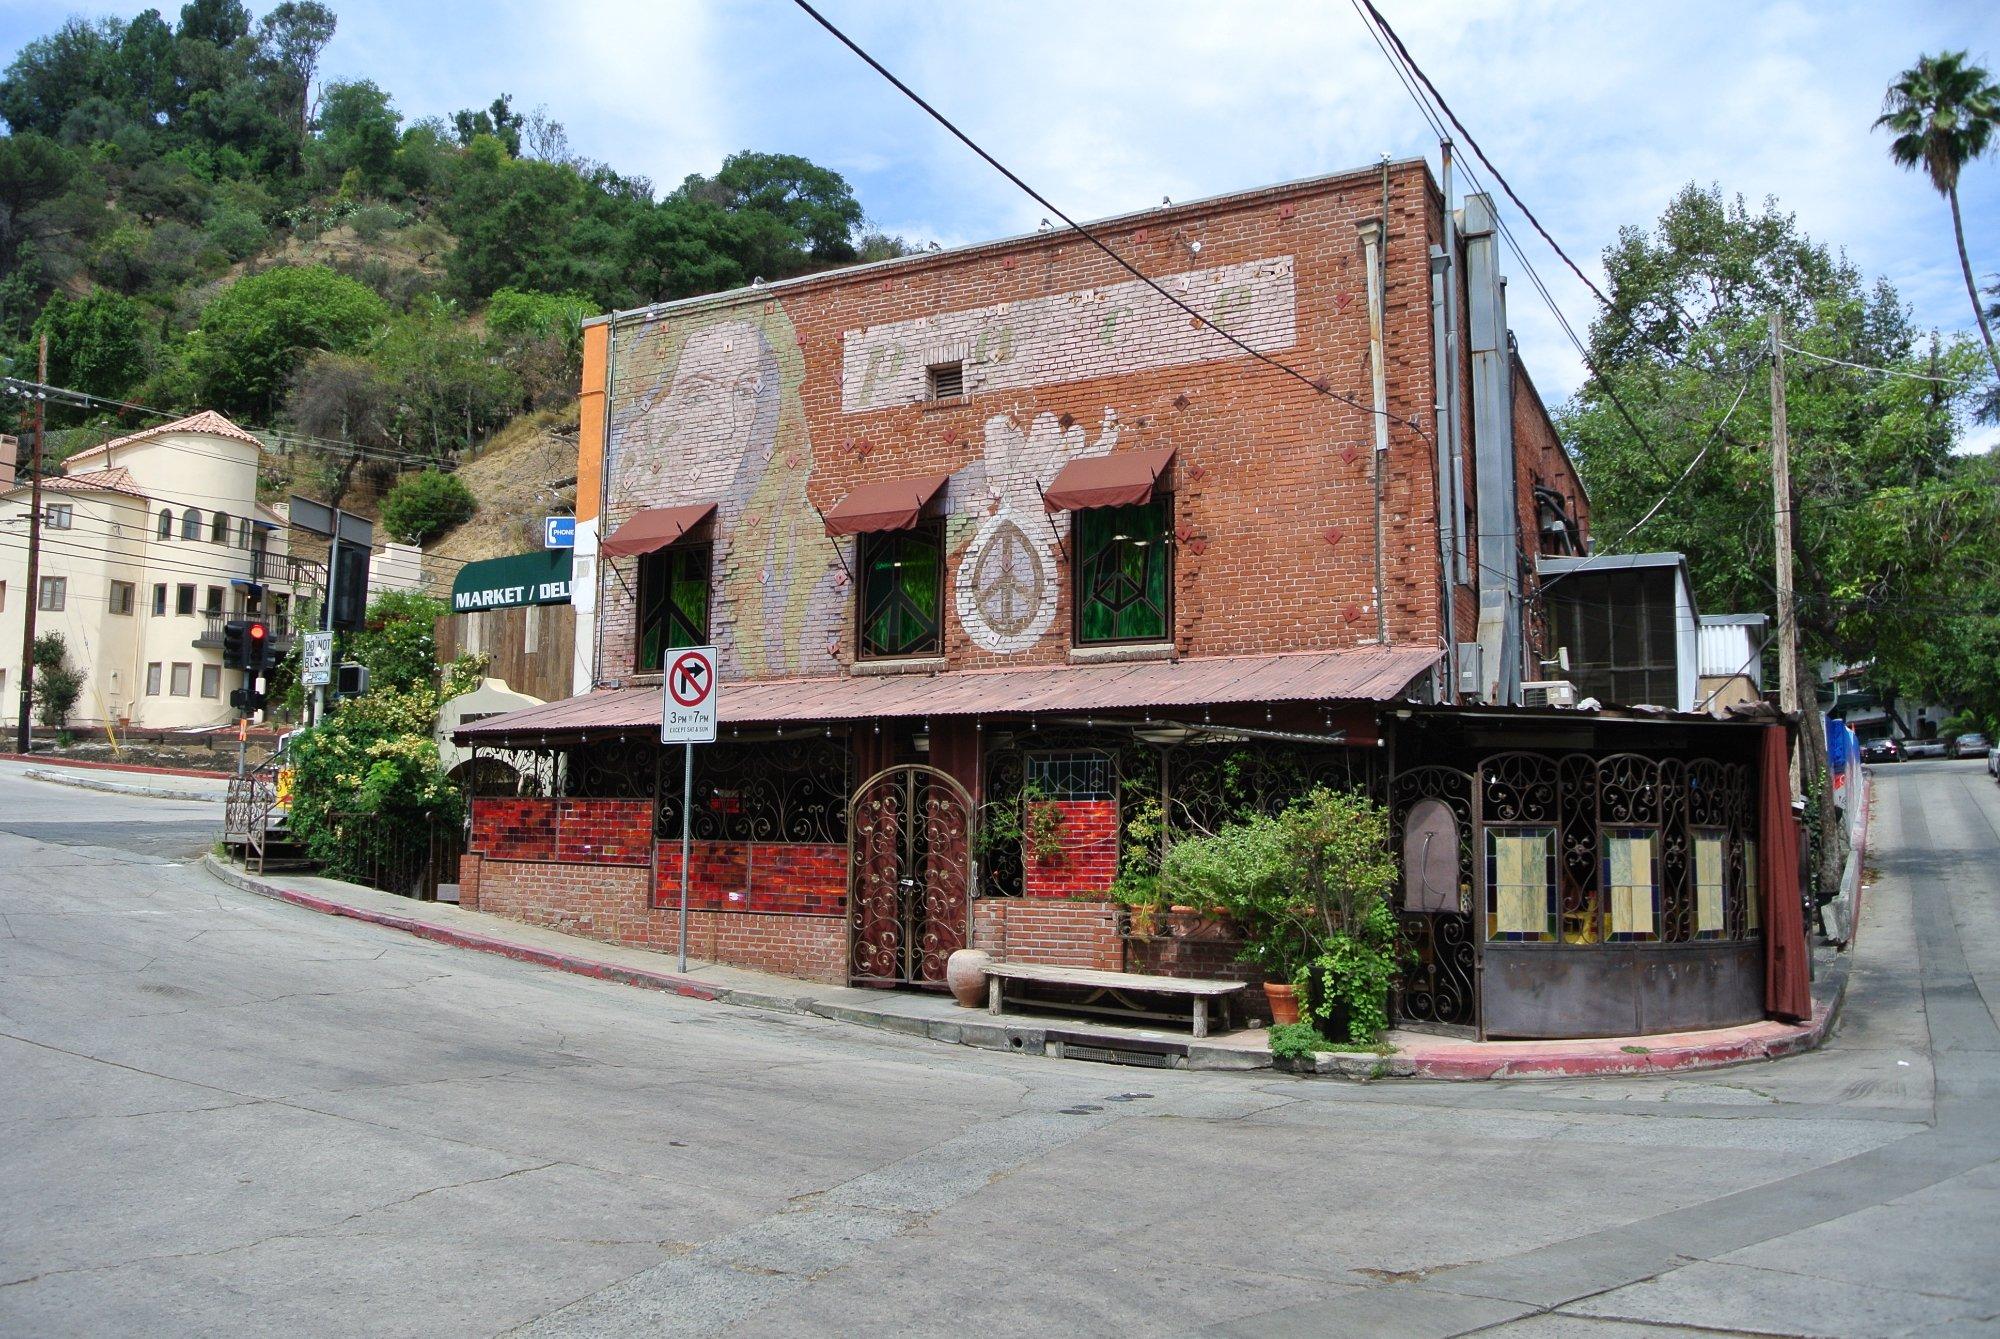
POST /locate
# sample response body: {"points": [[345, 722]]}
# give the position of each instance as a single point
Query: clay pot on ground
{"points": [[965, 973], [1145, 922], [1284, 1002]]}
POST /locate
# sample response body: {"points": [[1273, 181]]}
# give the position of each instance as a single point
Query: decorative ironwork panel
{"points": [[1211, 783], [1582, 899], [909, 882], [613, 769], [789, 790], [1518, 788], [1677, 891], [1441, 987], [508, 772]]}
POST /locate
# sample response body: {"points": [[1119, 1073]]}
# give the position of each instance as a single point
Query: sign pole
{"points": [[687, 809]]}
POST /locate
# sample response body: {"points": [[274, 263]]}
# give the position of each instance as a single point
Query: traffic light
{"points": [[247, 700], [350, 680], [233, 642], [256, 646]]}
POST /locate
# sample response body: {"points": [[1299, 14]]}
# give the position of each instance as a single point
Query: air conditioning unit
{"points": [[1548, 693]]}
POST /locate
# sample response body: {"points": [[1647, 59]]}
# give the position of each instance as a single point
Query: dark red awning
{"points": [[649, 531], [887, 504], [1108, 481]]}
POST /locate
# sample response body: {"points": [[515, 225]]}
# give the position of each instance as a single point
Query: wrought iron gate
{"points": [[909, 876], [1431, 813]]}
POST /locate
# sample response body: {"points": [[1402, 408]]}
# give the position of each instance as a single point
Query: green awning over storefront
{"points": [[504, 583]]}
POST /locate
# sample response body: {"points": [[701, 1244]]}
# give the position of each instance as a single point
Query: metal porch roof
{"points": [[1371, 674]]}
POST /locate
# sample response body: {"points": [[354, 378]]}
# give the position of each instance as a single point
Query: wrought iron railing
{"points": [[248, 814]]}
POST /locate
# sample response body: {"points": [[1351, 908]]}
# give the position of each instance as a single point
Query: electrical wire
{"points": [[1880, 371], [1318, 386]]}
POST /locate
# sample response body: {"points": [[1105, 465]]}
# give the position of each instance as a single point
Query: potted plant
{"points": [[1342, 869], [1242, 870]]}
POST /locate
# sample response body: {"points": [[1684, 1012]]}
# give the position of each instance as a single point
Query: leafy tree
{"points": [[424, 505], [1943, 111], [96, 343], [398, 641], [290, 38], [513, 219], [791, 214], [251, 339], [343, 398], [449, 394], [499, 120], [540, 337], [357, 133], [1889, 524], [58, 683]]}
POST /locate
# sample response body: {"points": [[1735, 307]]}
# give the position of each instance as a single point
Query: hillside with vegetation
{"points": [[195, 219]]}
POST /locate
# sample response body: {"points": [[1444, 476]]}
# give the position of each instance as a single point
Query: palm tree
{"points": [[1943, 112]]}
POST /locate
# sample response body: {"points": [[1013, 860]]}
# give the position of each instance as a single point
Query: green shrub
{"points": [[58, 684], [1297, 1041], [424, 505]]}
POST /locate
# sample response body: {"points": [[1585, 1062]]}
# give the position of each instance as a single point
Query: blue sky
{"points": [[1597, 112]]}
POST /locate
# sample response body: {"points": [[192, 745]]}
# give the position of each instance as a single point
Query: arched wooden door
{"points": [[909, 876]]}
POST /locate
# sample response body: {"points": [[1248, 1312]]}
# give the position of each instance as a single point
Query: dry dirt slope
{"points": [[525, 472]]}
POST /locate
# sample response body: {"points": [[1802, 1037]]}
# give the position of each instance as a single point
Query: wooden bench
{"points": [[1114, 986]]}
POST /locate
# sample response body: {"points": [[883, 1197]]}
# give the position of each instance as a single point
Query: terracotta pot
{"points": [[965, 973], [1284, 1002], [1145, 922]]}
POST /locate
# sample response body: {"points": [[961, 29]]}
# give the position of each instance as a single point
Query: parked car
{"points": [[1970, 746], [1923, 748], [1881, 750]]}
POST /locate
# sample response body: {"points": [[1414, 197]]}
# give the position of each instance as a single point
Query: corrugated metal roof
{"points": [[1732, 648], [1368, 674]]}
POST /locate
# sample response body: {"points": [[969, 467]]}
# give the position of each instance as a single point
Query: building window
{"points": [[191, 523], [1073, 776], [243, 533], [121, 597], [218, 528], [153, 679], [944, 381], [1711, 886], [1632, 884], [1521, 883], [184, 600], [673, 602], [55, 594], [211, 681], [214, 606], [159, 599], [902, 592], [1124, 576], [177, 685], [166, 526], [3, 597], [58, 516]]}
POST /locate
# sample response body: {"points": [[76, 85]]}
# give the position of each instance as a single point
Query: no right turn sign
{"points": [[687, 704]]}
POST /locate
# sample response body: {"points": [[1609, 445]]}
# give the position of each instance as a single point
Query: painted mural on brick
{"points": [[1008, 578], [707, 409], [1113, 330]]}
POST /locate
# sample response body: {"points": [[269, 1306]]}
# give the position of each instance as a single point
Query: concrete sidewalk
{"points": [[155, 783], [939, 1018]]}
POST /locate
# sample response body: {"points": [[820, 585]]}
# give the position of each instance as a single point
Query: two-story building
{"points": [[149, 544], [1010, 518]]}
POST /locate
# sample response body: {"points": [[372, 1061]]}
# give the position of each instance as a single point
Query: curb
{"points": [[1034, 1039], [46, 760], [120, 788]]}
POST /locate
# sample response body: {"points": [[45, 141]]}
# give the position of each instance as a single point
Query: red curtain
{"points": [[1787, 971]]}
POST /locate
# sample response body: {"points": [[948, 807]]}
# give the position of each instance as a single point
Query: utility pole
{"points": [[1781, 531], [24, 732]]}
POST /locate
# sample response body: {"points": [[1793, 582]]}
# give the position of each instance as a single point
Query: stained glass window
{"points": [[1124, 573], [901, 592], [1521, 883], [1711, 887], [673, 602], [1632, 883]]}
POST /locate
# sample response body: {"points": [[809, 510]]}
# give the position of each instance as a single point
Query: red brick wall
{"points": [[514, 829], [605, 832], [1272, 494], [1060, 933], [782, 877], [1089, 859]]}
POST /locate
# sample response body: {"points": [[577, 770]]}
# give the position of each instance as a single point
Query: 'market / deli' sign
{"points": [[506, 583]]}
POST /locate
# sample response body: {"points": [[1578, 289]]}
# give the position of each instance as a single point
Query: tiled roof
{"points": [[1369, 674], [207, 421], [118, 480]]}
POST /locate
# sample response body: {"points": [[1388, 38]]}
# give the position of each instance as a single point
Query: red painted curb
{"points": [[43, 758], [541, 957]]}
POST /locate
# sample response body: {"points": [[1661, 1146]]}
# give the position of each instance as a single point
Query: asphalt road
{"points": [[224, 1115]]}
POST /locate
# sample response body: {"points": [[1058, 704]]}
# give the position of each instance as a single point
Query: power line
{"points": [[1318, 386], [1881, 371]]}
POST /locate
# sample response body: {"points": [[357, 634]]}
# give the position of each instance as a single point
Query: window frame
{"points": [[164, 529], [654, 568], [180, 678], [191, 528], [123, 599], [214, 601], [159, 599], [218, 528], [184, 600], [1656, 850], [930, 533], [1551, 933], [1077, 574], [155, 678], [51, 511], [211, 682], [52, 595]]}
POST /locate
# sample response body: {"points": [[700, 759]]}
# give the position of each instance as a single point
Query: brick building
{"points": [[1001, 550]]}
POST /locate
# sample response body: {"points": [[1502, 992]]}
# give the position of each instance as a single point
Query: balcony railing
{"points": [[282, 632]]}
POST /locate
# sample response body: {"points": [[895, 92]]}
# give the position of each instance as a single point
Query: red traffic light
{"points": [[258, 632]]}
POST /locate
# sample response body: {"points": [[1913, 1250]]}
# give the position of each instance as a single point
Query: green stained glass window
{"points": [[901, 592], [1124, 565], [673, 602]]}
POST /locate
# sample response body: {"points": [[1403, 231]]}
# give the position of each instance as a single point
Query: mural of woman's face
{"points": [[708, 420]]}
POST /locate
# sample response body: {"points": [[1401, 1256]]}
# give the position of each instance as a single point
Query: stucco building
{"points": [[150, 543]]}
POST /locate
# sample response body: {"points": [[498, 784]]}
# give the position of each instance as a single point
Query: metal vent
{"points": [[1548, 693], [946, 381]]}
